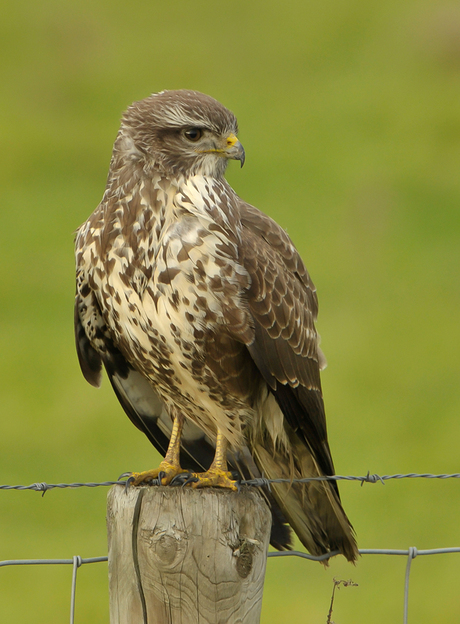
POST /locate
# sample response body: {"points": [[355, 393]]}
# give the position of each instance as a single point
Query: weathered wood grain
{"points": [[183, 556]]}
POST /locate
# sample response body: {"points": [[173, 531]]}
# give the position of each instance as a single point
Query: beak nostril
{"points": [[232, 139]]}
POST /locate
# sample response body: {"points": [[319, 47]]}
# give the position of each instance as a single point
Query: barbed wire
{"points": [[410, 553], [258, 482]]}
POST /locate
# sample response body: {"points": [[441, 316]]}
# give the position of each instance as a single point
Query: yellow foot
{"points": [[168, 472], [214, 477]]}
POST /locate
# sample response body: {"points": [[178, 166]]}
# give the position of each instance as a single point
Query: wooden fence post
{"points": [[184, 556]]}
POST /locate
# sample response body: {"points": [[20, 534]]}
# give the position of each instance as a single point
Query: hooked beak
{"points": [[234, 149], [229, 148]]}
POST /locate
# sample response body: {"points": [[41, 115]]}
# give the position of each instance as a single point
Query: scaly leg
{"points": [[217, 475], [170, 466]]}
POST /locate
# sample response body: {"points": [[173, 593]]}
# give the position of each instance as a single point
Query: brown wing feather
{"points": [[283, 304]]}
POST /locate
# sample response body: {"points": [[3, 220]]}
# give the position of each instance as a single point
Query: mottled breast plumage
{"points": [[203, 314]]}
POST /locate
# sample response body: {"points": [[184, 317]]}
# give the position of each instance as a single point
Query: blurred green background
{"points": [[349, 112]]}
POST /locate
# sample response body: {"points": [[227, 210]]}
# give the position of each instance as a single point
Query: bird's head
{"points": [[181, 133]]}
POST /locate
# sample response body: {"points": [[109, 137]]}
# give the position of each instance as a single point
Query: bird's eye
{"points": [[193, 134]]}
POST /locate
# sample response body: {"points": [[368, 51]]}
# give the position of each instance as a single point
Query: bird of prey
{"points": [[202, 313]]}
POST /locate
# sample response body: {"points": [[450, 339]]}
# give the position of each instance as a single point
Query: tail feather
{"points": [[313, 510]]}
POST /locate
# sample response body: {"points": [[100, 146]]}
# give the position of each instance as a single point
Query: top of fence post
{"points": [[179, 555]]}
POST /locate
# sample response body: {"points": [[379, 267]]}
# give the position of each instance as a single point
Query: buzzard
{"points": [[202, 312]]}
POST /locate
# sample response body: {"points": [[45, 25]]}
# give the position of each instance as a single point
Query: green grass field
{"points": [[349, 114]]}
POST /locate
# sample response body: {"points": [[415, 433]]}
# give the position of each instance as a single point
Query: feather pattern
{"points": [[195, 301]]}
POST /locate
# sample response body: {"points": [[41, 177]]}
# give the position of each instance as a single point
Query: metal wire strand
{"points": [[260, 482], [76, 564], [410, 553]]}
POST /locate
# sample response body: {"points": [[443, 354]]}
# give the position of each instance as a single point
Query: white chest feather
{"points": [[162, 283]]}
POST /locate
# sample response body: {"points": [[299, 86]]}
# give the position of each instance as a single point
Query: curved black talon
{"points": [[129, 482], [158, 480], [181, 479], [125, 474], [190, 478], [237, 478]]}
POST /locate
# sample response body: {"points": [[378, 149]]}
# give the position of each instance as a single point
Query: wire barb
{"points": [[262, 481], [259, 482]]}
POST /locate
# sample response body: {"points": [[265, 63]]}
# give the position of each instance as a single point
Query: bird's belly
{"points": [[169, 335]]}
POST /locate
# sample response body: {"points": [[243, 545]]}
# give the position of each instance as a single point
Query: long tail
{"points": [[313, 510]]}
